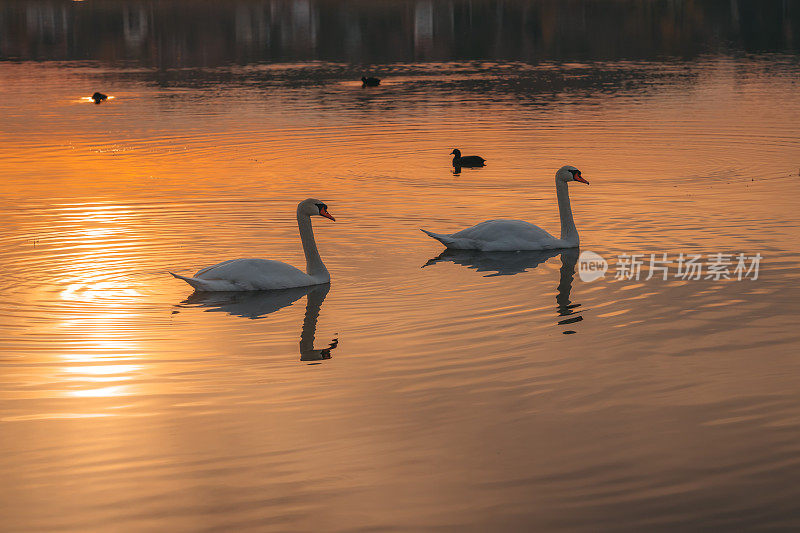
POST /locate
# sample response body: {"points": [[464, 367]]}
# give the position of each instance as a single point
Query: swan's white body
{"points": [[251, 275], [517, 235], [502, 236], [265, 274]]}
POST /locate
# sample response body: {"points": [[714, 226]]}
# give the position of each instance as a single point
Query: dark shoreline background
{"points": [[187, 34]]}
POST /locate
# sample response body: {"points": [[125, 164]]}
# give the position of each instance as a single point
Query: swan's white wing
{"points": [[501, 235], [494, 230], [249, 275]]}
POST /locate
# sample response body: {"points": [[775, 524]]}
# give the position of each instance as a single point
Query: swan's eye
{"points": [[321, 207]]}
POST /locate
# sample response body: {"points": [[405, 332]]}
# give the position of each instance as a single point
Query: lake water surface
{"points": [[416, 392]]}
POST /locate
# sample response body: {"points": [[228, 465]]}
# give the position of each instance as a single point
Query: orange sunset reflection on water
{"points": [[420, 390]]}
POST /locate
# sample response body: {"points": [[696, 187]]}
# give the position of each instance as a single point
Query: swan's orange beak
{"points": [[580, 178], [324, 212]]}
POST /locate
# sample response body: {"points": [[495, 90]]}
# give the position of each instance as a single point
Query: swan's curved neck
{"points": [[314, 265], [569, 232]]}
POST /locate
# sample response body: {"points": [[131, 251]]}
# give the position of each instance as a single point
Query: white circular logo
{"points": [[591, 266]]}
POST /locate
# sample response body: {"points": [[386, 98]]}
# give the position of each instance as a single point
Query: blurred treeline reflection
{"points": [[182, 33]]}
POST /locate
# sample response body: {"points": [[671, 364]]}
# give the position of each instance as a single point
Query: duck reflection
{"points": [[259, 304], [510, 263]]}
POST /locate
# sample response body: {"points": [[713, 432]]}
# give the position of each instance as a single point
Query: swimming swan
{"points": [[264, 274], [514, 235]]}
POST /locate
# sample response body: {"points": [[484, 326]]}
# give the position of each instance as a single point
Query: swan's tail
{"points": [[447, 240], [196, 283]]}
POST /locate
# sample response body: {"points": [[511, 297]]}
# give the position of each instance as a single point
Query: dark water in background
{"points": [[420, 390], [181, 34]]}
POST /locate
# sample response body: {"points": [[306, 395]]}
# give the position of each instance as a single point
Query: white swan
{"points": [[264, 274], [515, 235]]}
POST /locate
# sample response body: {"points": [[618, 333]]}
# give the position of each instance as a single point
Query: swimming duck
{"points": [[466, 161]]}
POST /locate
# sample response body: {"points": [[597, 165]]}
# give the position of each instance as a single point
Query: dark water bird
{"points": [[370, 82], [466, 161], [99, 97]]}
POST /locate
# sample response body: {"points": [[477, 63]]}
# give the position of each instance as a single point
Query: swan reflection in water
{"points": [[259, 304], [510, 263]]}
